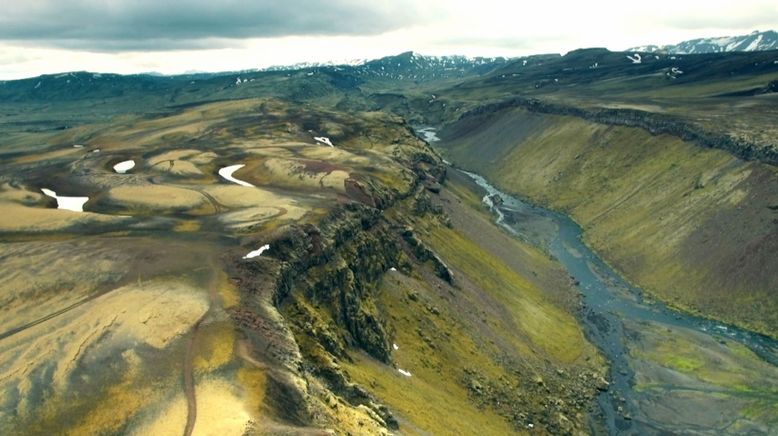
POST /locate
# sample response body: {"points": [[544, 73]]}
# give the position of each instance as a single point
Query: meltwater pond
{"points": [[669, 371]]}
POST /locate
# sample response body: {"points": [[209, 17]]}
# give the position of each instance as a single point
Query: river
{"points": [[609, 301], [669, 371]]}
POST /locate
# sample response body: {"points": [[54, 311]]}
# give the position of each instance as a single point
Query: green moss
{"points": [[639, 201], [683, 364], [547, 327]]}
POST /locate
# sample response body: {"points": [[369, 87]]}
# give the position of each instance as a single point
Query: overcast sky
{"points": [[174, 36]]}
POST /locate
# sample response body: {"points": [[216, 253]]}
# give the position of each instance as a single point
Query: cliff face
{"points": [[348, 289], [654, 123], [692, 225]]}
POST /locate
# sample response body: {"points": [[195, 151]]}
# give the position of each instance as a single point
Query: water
{"points": [[608, 301]]}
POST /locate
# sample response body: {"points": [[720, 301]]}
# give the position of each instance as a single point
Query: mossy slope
{"points": [[694, 226]]}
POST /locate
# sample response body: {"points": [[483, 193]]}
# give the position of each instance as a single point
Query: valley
{"points": [[659, 358], [577, 244]]}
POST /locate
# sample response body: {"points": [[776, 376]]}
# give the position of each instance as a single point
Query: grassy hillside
{"points": [[694, 226]]}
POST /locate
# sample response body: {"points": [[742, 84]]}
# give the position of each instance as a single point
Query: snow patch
{"points": [[124, 166], [78, 146], [258, 252], [395, 347], [392, 269], [754, 44], [636, 59], [429, 134], [323, 140], [227, 172], [404, 372], [76, 204]]}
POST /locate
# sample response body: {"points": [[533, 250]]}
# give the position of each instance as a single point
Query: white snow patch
{"points": [[636, 59], [227, 172], [404, 372], [675, 70], [392, 269], [323, 140], [238, 81], [429, 134], [754, 44], [38, 85], [124, 166], [78, 146], [257, 252], [394, 346], [96, 150], [76, 204], [524, 63]]}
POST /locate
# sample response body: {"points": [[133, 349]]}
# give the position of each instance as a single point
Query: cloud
{"points": [[755, 16], [125, 25]]}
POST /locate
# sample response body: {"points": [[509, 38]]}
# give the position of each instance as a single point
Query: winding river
{"points": [[670, 398], [609, 301]]}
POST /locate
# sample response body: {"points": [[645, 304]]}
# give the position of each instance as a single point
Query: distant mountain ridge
{"points": [[754, 41], [408, 68]]}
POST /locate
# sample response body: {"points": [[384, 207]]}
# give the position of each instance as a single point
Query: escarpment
{"points": [[654, 123], [690, 224], [315, 297], [350, 288]]}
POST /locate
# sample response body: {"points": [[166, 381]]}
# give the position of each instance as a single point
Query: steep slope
{"points": [[694, 226]]}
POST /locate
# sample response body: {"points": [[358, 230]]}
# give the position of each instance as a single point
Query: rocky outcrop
{"points": [[322, 279], [424, 254]]}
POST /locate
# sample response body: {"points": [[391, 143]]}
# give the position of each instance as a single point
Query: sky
{"points": [[176, 36]]}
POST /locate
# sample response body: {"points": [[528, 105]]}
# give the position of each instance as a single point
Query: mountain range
{"points": [[754, 41]]}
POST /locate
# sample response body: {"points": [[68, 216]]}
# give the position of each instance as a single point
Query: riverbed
{"points": [[630, 332], [669, 371]]}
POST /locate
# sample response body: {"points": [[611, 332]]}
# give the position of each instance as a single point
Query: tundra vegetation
{"points": [[380, 297]]}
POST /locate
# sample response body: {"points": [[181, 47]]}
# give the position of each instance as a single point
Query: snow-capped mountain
{"points": [[304, 65], [755, 41], [414, 66], [409, 66]]}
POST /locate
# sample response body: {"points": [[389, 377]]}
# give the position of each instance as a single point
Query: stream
{"points": [[669, 372], [609, 301]]}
